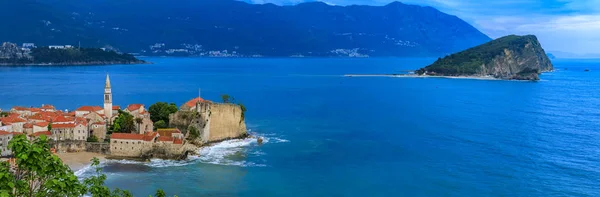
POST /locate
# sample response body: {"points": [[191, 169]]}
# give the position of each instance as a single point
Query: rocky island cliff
{"points": [[511, 58]]}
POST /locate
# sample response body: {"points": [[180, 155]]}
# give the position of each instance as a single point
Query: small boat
{"points": [[587, 70]]}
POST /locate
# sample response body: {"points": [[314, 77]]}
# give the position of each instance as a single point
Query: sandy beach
{"points": [[79, 160]]}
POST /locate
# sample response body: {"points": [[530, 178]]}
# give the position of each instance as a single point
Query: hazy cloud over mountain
{"points": [[561, 25]]}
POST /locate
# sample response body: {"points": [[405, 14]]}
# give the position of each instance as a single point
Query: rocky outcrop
{"points": [[509, 57]]}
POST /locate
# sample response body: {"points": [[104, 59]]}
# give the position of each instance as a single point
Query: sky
{"points": [[561, 25]]}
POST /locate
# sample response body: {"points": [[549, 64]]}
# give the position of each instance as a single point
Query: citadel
{"points": [[70, 131]]}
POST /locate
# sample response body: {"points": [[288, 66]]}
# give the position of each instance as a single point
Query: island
{"points": [[11, 54], [510, 58]]}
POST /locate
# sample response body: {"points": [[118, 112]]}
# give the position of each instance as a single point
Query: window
{"points": [[115, 141], [131, 148], [106, 97], [115, 148]]}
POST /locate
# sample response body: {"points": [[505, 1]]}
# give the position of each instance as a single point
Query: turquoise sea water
{"points": [[329, 135]]}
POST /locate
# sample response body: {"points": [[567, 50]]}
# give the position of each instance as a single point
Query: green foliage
{"points": [[124, 123], [161, 111], [74, 55], [50, 127], [4, 114], [161, 124], [160, 193], [92, 138], [243, 107], [226, 98], [96, 185], [470, 61], [194, 133], [39, 173]]}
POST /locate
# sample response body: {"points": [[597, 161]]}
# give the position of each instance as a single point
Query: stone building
{"points": [[99, 130], [15, 123], [28, 128], [131, 145], [40, 127], [5, 137], [170, 132], [48, 108], [219, 121], [73, 131]]}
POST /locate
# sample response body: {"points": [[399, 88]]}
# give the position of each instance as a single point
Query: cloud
{"points": [[561, 25]]}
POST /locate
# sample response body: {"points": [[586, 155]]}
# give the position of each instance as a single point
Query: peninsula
{"points": [[135, 132], [510, 58], [28, 54]]}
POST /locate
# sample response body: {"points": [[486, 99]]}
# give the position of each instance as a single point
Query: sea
{"points": [[330, 135]]}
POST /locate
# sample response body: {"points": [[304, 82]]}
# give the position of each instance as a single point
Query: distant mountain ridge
{"points": [[235, 28]]}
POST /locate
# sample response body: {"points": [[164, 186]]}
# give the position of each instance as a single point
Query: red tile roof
{"points": [[18, 108], [5, 132], [192, 103], [28, 126], [17, 133], [48, 107], [89, 108], [168, 132], [99, 123], [165, 138], [46, 133], [178, 141], [62, 126], [116, 107], [35, 109], [134, 107], [127, 136], [42, 124], [149, 136], [71, 113], [62, 119], [11, 119]]}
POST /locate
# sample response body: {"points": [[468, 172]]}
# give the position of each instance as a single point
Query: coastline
{"points": [[73, 64], [422, 76], [79, 160]]}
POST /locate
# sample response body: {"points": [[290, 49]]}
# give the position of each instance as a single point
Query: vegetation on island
{"points": [[79, 55], [38, 172], [92, 138], [472, 61], [159, 113], [124, 123], [11, 54]]}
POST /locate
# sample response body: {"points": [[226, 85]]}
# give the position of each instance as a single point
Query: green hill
{"points": [[509, 57]]}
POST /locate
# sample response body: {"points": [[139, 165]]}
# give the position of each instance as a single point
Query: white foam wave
{"points": [[230, 152]]}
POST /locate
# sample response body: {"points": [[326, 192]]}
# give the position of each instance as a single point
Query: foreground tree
{"points": [[39, 173]]}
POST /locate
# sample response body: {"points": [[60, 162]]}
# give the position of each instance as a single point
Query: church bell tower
{"points": [[107, 99]]}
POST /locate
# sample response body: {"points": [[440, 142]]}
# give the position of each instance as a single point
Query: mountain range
{"points": [[236, 28]]}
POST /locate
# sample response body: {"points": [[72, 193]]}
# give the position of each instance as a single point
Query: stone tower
{"points": [[107, 99]]}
